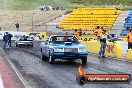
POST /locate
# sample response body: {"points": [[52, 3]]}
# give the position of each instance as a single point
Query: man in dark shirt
{"points": [[9, 39], [103, 38], [5, 39], [129, 39], [17, 26]]}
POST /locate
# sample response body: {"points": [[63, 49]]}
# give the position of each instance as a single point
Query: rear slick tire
{"points": [[16, 45], [43, 57], [84, 61]]}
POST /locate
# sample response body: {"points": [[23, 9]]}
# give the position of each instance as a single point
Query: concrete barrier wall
{"points": [[118, 51], [124, 46], [92, 46], [129, 55], [88, 38], [112, 49]]}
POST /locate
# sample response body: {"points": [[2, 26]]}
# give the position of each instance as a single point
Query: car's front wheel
{"points": [[84, 60], [51, 60]]}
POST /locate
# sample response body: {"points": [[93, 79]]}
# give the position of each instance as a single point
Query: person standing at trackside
{"points": [[76, 34], [5, 39], [9, 41], [129, 38], [17, 26], [65, 38], [80, 33], [103, 38], [98, 32]]}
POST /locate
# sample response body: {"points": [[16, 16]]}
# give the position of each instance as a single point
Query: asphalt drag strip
{"points": [[62, 74]]}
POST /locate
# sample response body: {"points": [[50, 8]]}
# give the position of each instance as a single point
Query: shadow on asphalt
{"points": [[75, 63]]}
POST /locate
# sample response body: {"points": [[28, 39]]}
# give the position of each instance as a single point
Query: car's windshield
{"points": [[25, 38], [64, 39]]}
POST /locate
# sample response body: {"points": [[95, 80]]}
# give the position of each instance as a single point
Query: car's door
{"points": [[45, 47]]}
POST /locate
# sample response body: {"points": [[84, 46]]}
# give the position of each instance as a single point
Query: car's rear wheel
{"points": [[31, 45], [43, 57], [51, 60], [16, 45], [84, 60]]}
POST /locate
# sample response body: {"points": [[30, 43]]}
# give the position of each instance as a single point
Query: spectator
{"points": [[115, 13], [24, 38], [103, 38], [66, 37], [76, 34], [5, 39], [98, 32], [32, 37], [80, 32], [27, 37], [40, 37], [84, 33], [129, 38], [17, 26], [9, 41]]}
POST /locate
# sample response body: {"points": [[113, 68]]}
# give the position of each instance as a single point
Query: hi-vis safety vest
{"points": [[76, 34], [103, 36], [130, 37], [98, 32]]}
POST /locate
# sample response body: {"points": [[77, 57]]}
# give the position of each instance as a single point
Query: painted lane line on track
{"points": [[1, 82], [24, 82]]}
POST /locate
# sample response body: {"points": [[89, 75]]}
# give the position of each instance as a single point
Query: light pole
{"points": [[32, 21], [46, 27]]}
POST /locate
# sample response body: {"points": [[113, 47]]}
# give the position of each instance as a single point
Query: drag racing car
{"points": [[65, 47], [24, 41], [112, 37]]}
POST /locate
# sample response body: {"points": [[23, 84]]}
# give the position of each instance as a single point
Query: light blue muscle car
{"points": [[65, 47]]}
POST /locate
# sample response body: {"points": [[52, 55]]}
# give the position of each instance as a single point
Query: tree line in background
{"points": [[102, 2]]}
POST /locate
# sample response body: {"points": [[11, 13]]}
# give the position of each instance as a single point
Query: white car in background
{"points": [[24, 42], [45, 8]]}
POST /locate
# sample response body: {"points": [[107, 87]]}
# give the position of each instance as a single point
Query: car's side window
{"points": [[50, 40], [46, 42]]}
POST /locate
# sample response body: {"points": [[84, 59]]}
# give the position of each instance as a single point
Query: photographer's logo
{"points": [[110, 49]]}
